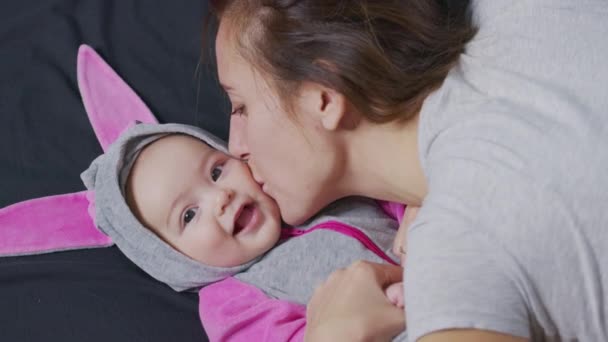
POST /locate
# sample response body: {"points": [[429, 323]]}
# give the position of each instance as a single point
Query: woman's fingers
{"points": [[352, 305], [384, 274]]}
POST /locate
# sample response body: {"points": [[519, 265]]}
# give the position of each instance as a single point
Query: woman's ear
{"points": [[333, 109], [327, 105]]}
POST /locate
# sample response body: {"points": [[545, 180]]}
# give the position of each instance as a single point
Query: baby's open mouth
{"points": [[243, 221]]}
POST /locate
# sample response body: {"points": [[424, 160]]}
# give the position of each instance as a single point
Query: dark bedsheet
{"points": [[46, 141]]}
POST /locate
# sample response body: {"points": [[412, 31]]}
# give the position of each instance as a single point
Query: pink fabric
{"points": [[49, 224], [64, 222], [393, 209], [112, 106], [231, 310]]}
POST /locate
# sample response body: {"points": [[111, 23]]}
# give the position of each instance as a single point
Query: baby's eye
{"points": [[189, 215], [216, 172]]}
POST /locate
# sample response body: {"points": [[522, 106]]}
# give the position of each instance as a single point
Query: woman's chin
{"points": [[294, 217], [301, 210]]}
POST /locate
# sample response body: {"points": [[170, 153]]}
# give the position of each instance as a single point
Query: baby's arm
{"points": [[231, 310]]}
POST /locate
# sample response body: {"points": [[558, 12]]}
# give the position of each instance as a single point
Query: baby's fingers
{"points": [[400, 242]]}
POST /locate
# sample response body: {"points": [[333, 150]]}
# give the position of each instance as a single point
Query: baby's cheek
{"points": [[395, 295]]}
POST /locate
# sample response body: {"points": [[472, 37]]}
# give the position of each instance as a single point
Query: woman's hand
{"points": [[352, 306], [400, 242]]}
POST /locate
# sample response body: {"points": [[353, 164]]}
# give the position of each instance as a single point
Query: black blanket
{"points": [[46, 141]]}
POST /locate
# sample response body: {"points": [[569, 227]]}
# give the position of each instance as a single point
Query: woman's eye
{"points": [[189, 215], [216, 172], [238, 111]]}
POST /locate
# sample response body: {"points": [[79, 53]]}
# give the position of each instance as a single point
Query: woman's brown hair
{"points": [[384, 56]]}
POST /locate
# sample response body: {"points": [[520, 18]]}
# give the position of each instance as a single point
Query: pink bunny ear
{"points": [[49, 224], [111, 104], [64, 222]]}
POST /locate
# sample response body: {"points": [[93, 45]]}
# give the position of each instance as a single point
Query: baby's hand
{"points": [[400, 241], [395, 295]]}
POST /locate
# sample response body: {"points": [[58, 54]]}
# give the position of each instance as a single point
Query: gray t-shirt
{"points": [[513, 236]]}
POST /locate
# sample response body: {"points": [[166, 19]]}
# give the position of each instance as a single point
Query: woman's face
{"points": [[290, 158]]}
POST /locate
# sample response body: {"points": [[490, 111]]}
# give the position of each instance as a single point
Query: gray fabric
{"points": [[292, 269], [513, 235], [107, 177]]}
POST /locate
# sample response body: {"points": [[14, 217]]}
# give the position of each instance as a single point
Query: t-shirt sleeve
{"points": [[459, 271], [454, 281]]}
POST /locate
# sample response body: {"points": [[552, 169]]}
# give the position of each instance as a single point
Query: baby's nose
{"points": [[223, 199]]}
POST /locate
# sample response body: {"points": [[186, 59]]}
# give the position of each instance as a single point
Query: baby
{"points": [[194, 218]]}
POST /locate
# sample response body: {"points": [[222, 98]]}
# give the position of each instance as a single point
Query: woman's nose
{"points": [[237, 141], [254, 172], [223, 199]]}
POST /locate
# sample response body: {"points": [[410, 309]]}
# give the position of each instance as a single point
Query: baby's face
{"points": [[203, 202]]}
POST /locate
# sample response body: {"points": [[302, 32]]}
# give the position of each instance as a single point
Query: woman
{"points": [[496, 126]]}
